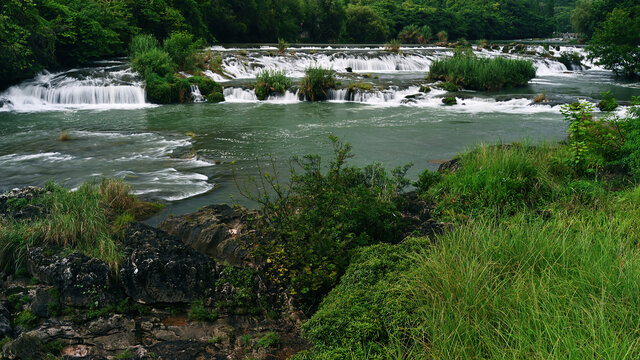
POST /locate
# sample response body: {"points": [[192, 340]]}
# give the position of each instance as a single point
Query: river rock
{"points": [[80, 280], [159, 268], [13, 204], [5, 324], [219, 231]]}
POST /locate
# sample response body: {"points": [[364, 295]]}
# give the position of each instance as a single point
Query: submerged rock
{"points": [[159, 268]]}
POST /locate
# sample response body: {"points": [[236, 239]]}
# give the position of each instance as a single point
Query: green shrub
{"points": [[269, 82], [142, 43], [471, 72], [449, 100], [608, 103], [181, 48], [215, 97], [314, 222], [155, 61], [425, 89], [26, 319], [282, 46], [449, 86], [269, 340], [393, 46], [198, 312], [158, 90], [569, 59], [630, 151], [316, 84], [580, 118], [443, 36]]}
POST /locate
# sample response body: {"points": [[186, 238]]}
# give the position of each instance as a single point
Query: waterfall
{"points": [[195, 93], [97, 88]]}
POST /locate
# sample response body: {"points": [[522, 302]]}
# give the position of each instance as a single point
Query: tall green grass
{"points": [[473, 73], [537, 263], [271, 82], [87, 220], [563, 285], [316, 83]]}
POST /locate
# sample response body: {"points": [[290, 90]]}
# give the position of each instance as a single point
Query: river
{"points": [[188, 156]]}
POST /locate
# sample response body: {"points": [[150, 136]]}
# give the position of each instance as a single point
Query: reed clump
{"points": [[269, 82], [474, 73]]}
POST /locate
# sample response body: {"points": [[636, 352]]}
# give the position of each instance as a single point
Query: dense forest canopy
{"points": [[38, 34]]}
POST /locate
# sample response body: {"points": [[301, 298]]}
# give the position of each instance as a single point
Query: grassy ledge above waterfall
{"points": [[538, 258], [159, 65], [470, 72]]}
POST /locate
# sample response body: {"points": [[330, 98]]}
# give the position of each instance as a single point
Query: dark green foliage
{"points": [[154, 61], [580, 118], [26, 319], [181, 49], [125, 307], [215, 97], [615, 44], [312, 223], [243, 282], [471, 72], [316, 84], [426, 180], [269, 82], [269, 340], [198, 312], [631, 148], [282, 46], [608, 103], [413, 34], [569, 59], [364, 25], [425, 89], [208, 87], [449, 86], [449, 100]]}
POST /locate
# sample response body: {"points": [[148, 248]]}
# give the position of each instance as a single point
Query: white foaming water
{"points": [[98, 88], [408, 97], [195, 93]]}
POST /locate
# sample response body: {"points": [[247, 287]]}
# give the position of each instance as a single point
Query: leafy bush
{"points": [[630, 151], [155, 61], [608, 103], [393, 46], [615, 43], [471, 72], [181, 48], [580, 118], [208, 87], [316, 83], [282, 46], [449, 100], [269, 340], [198, 312], [443, 36], [312, 223], [424, 89], [270, 82], [26, 319], [412, 34], [569, 59]]}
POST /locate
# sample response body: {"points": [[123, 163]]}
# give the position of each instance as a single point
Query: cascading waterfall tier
{"points": [[91, 88]]}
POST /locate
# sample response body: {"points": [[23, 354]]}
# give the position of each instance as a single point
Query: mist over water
{"points": [[184, 154]]}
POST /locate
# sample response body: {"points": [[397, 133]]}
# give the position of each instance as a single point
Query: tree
{"points": [[364, 25], [615, 43]]}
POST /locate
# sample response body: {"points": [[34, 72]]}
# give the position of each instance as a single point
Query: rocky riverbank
{"points": [[166, 300]]}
